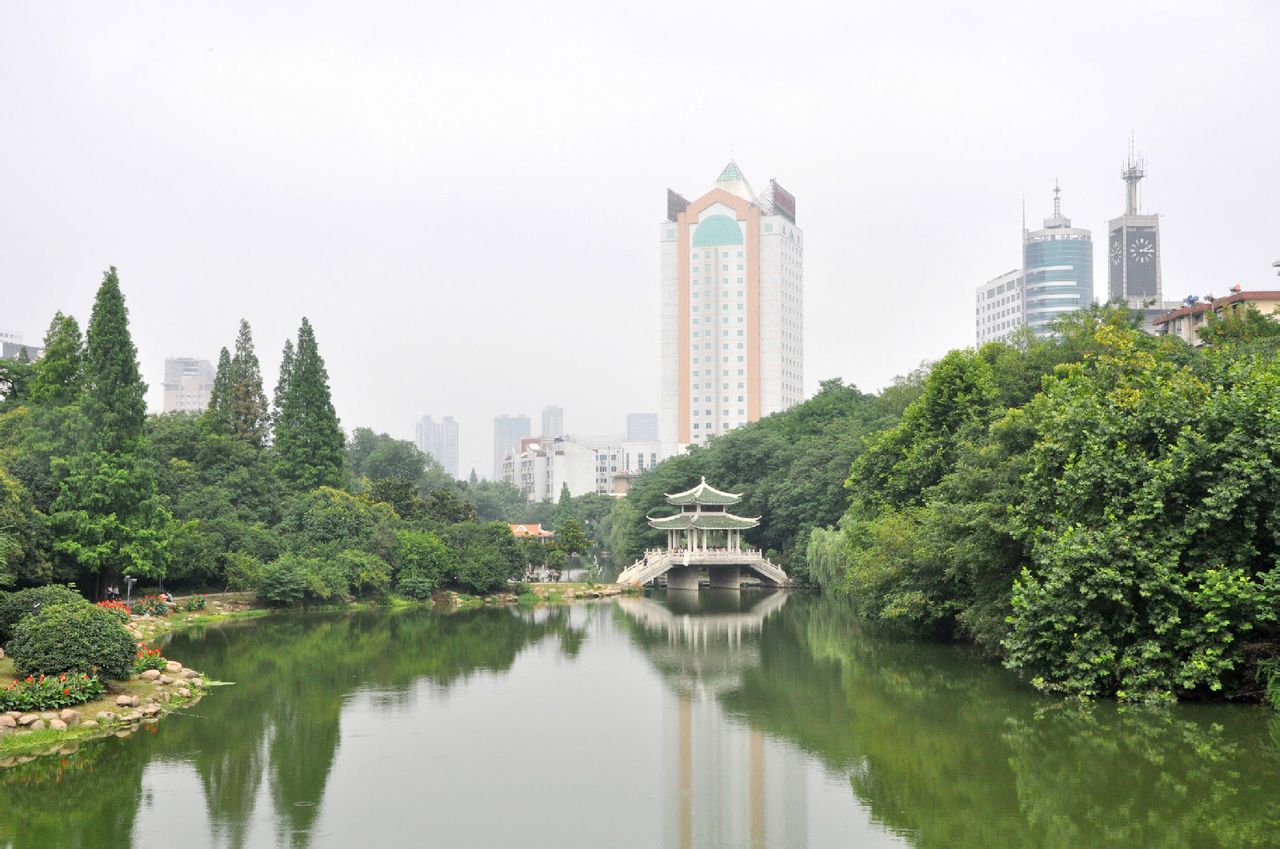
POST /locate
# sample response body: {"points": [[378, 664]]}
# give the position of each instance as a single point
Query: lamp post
{"points": [[129, 581]]}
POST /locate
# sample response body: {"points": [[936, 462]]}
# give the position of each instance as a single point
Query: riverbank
{"points": [[122, 710]]}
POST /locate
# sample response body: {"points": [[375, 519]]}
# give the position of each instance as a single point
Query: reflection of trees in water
{"points": [[951, 751], [279, 722]]}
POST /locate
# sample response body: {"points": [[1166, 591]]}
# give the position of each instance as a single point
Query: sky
{"points": [[465, 199]]}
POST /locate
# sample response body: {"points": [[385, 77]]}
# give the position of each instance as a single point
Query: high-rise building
{"points": [[1000, 315], [13, 348], [1133, 271], [507, 433], [732, 296], [642, 427], [440, 440], [188, 383], [552, 422], [1057, 264]]}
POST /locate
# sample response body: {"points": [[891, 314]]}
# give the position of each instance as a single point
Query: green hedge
{"points": [[15, 606], [72, 638]]}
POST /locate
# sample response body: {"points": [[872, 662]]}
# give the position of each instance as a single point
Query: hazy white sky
{"points": [[465, 198]]}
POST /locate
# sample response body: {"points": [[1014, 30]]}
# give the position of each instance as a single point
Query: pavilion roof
{"points": [[703, 521], [704, 493]]}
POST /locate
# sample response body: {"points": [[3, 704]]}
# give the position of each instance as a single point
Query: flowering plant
{"points": [[151, 605], [119, 608], [195, 602], [148, 659], [46, 692]]}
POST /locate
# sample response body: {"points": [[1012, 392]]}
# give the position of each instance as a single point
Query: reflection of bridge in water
{"points": [[725, 783]]}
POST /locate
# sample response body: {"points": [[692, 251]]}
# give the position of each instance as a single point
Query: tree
{"points": [[378, 456], [107, 519], [246, 403], [282, 384], [220, 395], [473, 479], [115, 396], [570, 538], [308, 439]]}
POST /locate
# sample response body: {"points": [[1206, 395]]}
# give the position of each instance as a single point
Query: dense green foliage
{"points": [[72, 638], [14, 607], [790, 466], [240, 496], [1099, 509]]}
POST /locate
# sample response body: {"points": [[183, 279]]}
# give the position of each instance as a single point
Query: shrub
{"points": [[20, 604], [487, 556], [284, 581], [117, 608], [194, 603], [244, 571], [146, 659], [48, 692], [366, 574], [72, 638], [424, 561], [151, 605]]}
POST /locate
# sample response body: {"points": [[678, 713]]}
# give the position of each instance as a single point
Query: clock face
{"points": [[1117, 252], [1142, 250]]}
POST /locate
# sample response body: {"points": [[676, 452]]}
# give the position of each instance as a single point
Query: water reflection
{"points": [[279, 726], [726, 718], [726, 783]]}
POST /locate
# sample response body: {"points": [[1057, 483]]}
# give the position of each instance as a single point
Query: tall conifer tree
{"points": [[115, 396], [107, 518], [282, 384], [246, 402], [219, 406], [308, 439]]}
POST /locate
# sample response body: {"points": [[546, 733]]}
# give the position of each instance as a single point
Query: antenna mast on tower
{"points": [[1132, 174]]}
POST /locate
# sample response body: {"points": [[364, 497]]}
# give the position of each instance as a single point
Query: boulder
{"points": [[14, 713], [48, 715], [7, 721], [90, 723], [189, 673], [151, 710], [69, 716], [106, 716], [184, 692], [57, 725], [197, 682], [164, 680], [27, 719], [150, 675], [126, 701], [173, 666], [38, 725], [131, 716]]}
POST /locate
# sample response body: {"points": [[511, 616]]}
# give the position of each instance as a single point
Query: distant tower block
{"points": [[1133, 247]]}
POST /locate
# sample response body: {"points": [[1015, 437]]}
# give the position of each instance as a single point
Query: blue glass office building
{"points": [[1058, 263]]}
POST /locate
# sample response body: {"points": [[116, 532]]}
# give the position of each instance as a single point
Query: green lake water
{"points": [[718, 719]]}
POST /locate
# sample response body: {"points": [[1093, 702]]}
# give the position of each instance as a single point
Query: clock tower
{"points": [[1133, 248]]}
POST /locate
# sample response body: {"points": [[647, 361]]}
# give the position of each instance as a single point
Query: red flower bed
{"points": [[46, 693]]}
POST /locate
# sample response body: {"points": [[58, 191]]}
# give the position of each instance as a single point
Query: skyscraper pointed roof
{"points": [[1057, 219], [732, 181]]}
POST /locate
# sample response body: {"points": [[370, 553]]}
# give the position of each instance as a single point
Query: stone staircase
{"points": [[657, 561]]}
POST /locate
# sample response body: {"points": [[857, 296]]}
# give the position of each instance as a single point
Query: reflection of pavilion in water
{"points": [[726, 783]]}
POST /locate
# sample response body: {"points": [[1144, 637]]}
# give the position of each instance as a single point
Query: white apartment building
{"points": [[1000, 310], [732, 309], [585, 464], [188, 384]]}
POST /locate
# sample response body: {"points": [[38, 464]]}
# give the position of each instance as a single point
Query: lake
{"points": [[715, 719]]}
